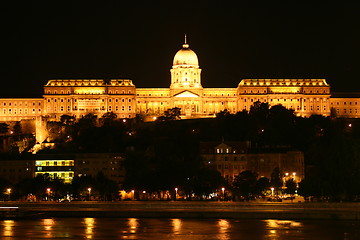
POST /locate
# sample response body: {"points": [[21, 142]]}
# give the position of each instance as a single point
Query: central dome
{"points": [[185, 57]]}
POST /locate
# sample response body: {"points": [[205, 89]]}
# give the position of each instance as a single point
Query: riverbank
{"points": [[183, 209]]}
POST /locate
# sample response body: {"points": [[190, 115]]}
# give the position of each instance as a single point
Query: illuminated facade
{"points": [[63, 166], [98, 96], [62, 169], [232, 158]]}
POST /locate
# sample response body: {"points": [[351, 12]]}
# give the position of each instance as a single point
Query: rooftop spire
{"points": [[185, 45]]}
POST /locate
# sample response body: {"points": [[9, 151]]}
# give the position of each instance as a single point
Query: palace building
{"points": [[78, 97]]}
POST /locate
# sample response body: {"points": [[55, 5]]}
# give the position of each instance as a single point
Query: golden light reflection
{"points": [[177, 225], [275, 226], [9, 228], [223, 227], [89, 224], [48, 224], [133, 224]]}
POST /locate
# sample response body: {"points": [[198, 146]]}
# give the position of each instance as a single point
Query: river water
{"points": [[189, 229]]}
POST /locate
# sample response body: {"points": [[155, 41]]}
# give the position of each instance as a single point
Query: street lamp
{"points": [[89, 190], [223, 192], [9, 192], [272, 191], [48, 190], [176, 189]]}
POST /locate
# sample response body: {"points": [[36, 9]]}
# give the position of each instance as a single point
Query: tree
{"points": [[17, 128], [67, 119], [276, 179], [107, 188], [290, 186], [171, 114], [4, 128], [87, 121], [245, 183], [262, 185], [108, 118]]}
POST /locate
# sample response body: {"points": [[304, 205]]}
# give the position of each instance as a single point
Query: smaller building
{"points": [[232, 158], [62, 166], [110, 164], [15, 168]]}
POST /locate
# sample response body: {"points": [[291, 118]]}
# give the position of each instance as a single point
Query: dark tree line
{"points": [[45, 188]]}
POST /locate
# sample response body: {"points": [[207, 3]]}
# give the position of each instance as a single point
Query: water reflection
{"points": [[48, 225], [280, 228], [131, 231], [133, 224], [8, 228], [176, 229], [89, 227], [223, 229], [176, 225]]}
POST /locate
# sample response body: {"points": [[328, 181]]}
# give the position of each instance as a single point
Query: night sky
{"points": [[138, 41]]}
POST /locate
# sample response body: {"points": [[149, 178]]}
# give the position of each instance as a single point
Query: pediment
{"points": [[222, 145], [187, 94]]}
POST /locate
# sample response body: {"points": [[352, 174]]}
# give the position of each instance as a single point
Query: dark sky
{"points": [[138, 41]]}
